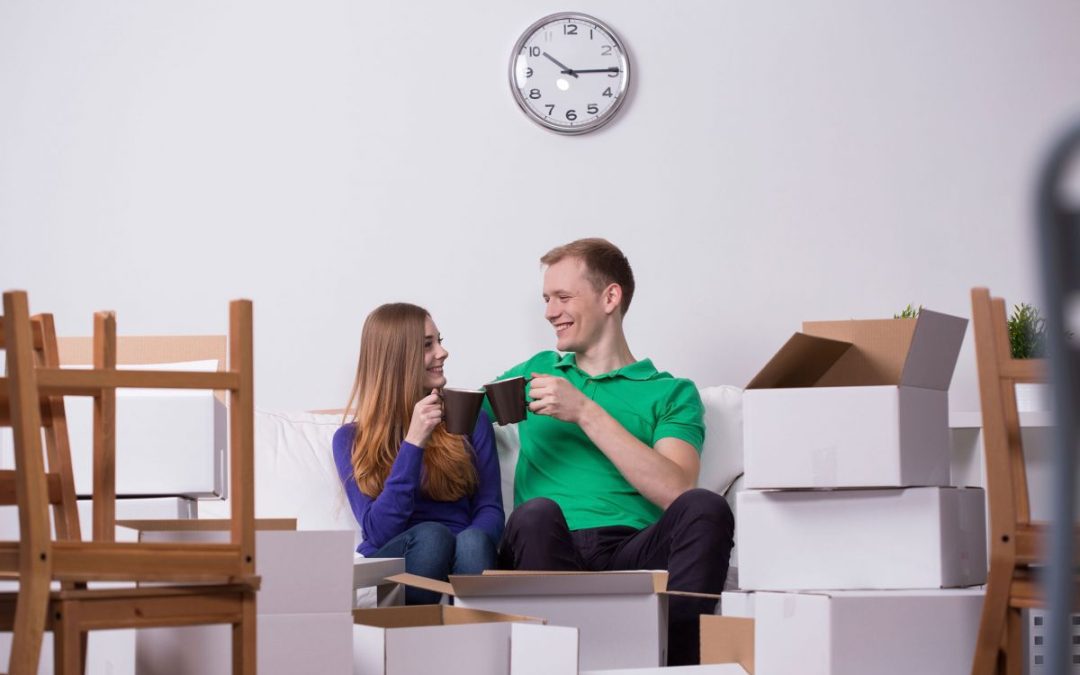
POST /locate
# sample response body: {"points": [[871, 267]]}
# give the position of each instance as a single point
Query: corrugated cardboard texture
{"points": [[801, 362], [145, 349], [727, 639], [579, 583], [432, 615], [881, 349]]}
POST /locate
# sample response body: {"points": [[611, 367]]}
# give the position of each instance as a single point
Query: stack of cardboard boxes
{"points": [[853, 546]]}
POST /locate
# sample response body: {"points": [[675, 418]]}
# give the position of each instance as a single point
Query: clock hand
{"points": [[566, 69], [594, 70]]}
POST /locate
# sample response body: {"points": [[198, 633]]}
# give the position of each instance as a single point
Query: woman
{"points": [[418, 491]]}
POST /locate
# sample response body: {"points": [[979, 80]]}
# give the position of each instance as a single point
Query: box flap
{"points": [[935, 347], [801, 362], [880, 349], [541, 583], [433, 615], [727, 639], [417, 581]]}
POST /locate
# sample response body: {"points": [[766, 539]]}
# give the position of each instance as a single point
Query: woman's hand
{"points": [[427, 413]]}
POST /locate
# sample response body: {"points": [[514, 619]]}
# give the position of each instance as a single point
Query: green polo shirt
{"points": [[558, 461]]}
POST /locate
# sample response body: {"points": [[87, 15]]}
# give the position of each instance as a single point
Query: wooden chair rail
{"points": [[37, 333], [67, 382], [7, 488], [122, 561]]}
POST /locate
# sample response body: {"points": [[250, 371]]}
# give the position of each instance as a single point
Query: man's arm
{"points": [[660, 473]]}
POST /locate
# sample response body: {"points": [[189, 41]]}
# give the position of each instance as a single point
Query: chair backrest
{"points": [[60, 481], [999, 372], [27, 383]]}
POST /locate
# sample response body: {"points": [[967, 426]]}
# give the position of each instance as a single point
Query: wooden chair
{"points": [[200, 583], [1017, 545]]}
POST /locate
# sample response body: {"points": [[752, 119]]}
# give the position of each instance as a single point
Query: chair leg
{"points": [[29, 626], [1014, 647], [243, 638], [70, 642], [992, 624]]}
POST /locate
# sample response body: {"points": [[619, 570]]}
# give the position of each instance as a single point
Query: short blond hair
{"points": [[604, 264]]}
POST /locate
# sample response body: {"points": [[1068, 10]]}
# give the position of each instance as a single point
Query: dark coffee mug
{"points": [[461, 407], [507, 399]]}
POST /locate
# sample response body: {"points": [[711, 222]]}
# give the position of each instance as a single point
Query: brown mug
{"points": [[461, 407], [507, 399]]}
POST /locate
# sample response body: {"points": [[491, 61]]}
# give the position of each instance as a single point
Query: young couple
{"points": [[609, 453]]}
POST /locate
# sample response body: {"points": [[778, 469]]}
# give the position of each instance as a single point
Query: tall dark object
{"points": [[1059, 250]]}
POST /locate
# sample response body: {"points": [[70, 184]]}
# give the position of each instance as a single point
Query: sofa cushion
{"points": [[295, 476]]}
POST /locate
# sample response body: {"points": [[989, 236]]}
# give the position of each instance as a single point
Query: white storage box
{"points": [[715, 669], [621, 616], [854, 404], [860, 632], [458, 641], [861, 539], [285, 644]]}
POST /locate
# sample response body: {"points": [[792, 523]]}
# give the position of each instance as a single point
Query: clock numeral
{"points": [[614, 73], [534, 51], [605, 50], [590, 33], [528, 72], [547, 36], [569, 29], [571, 115], [607, 92], [534, 94], [593, 109], [551, 108]]}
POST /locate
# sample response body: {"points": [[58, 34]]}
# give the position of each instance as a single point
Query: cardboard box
{"points": [[458, 641], [109, 652], [303, 572], [370, 586], [861, 539], [285, 644], [854, 404], [859, 632], [737, 604], [621, 616], [716, 669], [728, 640]]}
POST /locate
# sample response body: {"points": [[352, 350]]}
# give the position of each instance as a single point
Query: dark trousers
{"points": [[692, 541]]}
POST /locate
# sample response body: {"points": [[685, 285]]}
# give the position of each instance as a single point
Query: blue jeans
{"points": [[431, 550]]}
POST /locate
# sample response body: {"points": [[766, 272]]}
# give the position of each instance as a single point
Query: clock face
{"points": [[570, 73]]}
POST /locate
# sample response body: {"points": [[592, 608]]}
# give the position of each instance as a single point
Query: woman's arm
{"points": [[487, 506], [386, 516]]}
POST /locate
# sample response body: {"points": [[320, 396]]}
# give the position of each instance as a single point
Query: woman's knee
{"points": [[431, 537]]}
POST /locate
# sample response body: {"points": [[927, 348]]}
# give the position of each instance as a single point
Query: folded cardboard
{"points": [[458, 641], [854, 404], [285, 644], [715, 669], [728, 639], [861, 539], [859, 632], [370, 585], [621, 616]]}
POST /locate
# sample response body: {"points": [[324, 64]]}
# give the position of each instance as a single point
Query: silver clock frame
{"points": [[592, 125]]}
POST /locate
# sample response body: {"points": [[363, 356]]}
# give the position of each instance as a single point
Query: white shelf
{"points": [[973, 420]]}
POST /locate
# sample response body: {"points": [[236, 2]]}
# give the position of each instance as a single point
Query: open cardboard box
{"points": [[621, 616], [854, 404], [459, 641]]}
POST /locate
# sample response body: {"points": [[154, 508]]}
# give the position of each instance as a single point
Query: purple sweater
{"points": [[402, 504]]}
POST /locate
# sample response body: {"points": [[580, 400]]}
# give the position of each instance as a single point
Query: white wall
{"points": [[777, 162]]}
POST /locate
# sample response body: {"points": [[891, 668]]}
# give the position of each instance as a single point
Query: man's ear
{"points": [[611, 297]]}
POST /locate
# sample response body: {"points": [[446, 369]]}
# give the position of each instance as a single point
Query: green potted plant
{"points": [[909, 312], [1027, 340]]}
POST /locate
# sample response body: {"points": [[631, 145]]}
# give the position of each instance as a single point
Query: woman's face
{"points": [[434, 357]]}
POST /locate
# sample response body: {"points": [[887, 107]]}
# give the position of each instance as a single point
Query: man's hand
{"points": [[556, 397]]}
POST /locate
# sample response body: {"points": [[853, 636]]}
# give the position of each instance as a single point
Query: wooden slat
{"points": [[1024, 370], [34, 556], [62, 381], [36, 333], [242, 430], [104, 482], [120, 561], [205, 524], [7, 488], [5, 408], [212, 607]]}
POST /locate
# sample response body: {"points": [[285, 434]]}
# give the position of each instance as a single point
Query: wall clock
{"points": [[570, 73]]}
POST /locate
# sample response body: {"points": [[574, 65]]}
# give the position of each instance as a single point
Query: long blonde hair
{"points": [[389, 382]]}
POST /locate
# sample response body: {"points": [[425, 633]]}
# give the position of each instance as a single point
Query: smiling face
{"points": [[573, 306], [434, 357]]}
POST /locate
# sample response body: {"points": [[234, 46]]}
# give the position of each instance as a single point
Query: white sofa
{"points": [[295, 474]]}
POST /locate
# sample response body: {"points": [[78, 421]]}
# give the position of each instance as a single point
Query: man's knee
{"points": [[702, 504], [536, 513]]}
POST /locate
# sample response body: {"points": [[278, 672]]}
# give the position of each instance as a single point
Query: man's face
{"points": [[572, 306]]}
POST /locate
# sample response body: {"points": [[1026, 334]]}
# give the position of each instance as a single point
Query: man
{"points": [[610, 458]]}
